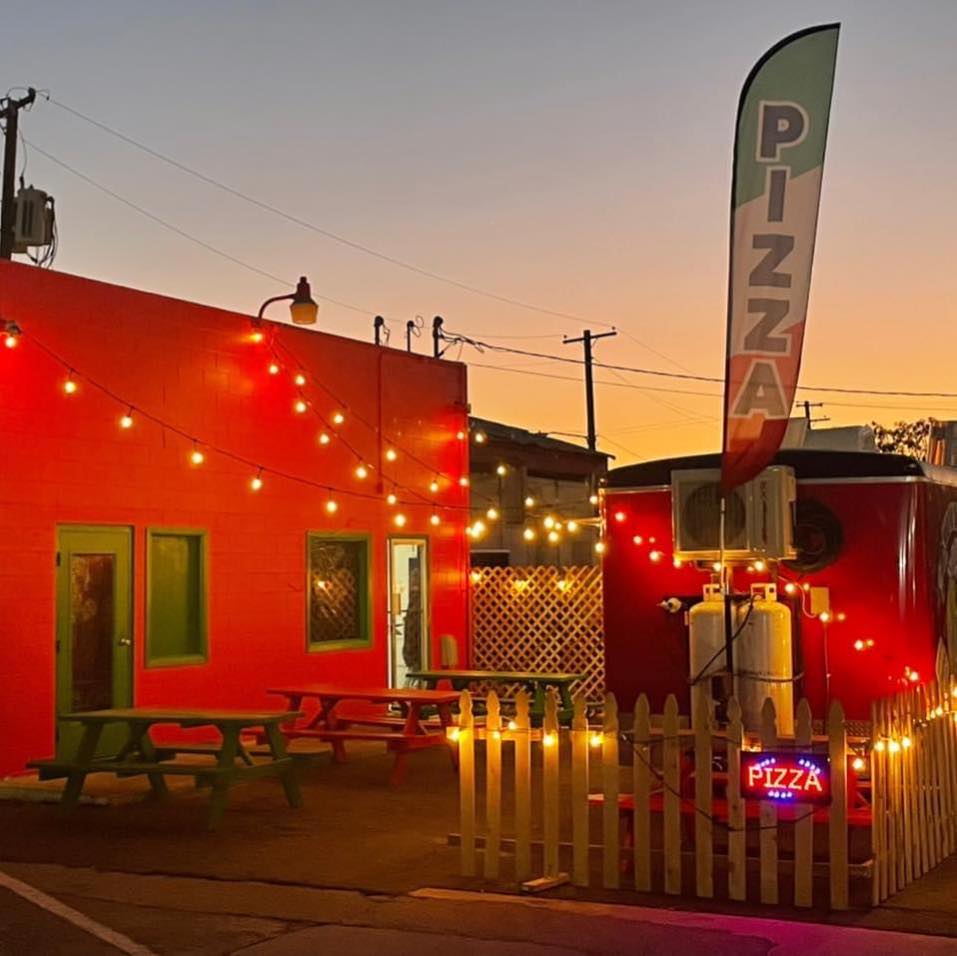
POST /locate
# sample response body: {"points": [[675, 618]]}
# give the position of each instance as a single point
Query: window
{"points": [[338, 612], [176, 597]]}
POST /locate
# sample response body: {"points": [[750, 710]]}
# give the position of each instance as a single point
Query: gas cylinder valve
{"points": [[672, 605]]}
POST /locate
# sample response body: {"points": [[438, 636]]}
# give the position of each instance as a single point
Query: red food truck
{"points": [[844, 569]]}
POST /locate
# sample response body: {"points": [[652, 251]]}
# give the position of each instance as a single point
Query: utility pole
{"points": [[587, 338], [807, 414], [11, 114]]}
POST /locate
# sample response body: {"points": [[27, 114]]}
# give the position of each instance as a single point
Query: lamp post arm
{"points": [[268, 302]]}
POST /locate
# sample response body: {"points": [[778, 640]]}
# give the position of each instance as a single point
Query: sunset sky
{"points": [[571, 155]]}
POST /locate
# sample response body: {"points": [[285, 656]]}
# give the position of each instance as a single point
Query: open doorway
{"points": [[408, 608]]}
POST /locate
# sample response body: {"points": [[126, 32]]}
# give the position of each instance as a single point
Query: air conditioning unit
{"points": [[759, 521], [33, 219]]}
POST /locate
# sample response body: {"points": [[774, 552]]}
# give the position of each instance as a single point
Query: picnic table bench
{"points": [[535, 682], [141, 755], [401, 733]]}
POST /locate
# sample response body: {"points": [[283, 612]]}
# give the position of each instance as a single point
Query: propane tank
{"points": [[763, 660], [706, 636]]}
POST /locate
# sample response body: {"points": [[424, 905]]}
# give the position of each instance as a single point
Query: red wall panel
{"points": [[64, 459]]}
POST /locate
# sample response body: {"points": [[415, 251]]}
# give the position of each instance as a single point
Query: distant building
{"points": [[528, 477]]}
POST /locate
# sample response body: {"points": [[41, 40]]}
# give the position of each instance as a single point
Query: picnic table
{"points": [[141, 755], [535, 682], [402, 733]]}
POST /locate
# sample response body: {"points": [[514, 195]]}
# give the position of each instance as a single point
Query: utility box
{"points": [[33, 219]]}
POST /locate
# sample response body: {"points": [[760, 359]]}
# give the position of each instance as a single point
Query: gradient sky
{"points": [[575, 155]]}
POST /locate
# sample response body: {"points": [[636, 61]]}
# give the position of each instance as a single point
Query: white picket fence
{"points": [[914, 781], [582, 756]]}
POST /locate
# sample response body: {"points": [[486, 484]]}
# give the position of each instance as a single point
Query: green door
{"points": [[94, 626]]}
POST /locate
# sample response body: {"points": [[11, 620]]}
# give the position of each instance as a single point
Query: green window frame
{"points": [[177, 576], [338, 591]]}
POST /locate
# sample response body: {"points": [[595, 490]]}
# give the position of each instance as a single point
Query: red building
{"points": [[876, 539], [184, 520]]}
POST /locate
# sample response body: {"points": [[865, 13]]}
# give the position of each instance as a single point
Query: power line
{"points": [[456, 338], [313, 227]]}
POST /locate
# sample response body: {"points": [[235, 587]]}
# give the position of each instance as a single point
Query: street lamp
{"points": [[302, 307]]}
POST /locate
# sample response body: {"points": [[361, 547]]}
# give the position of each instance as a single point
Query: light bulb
{"points": [[391, 498], [480, 438], [324, 439], [196, 456], [790, 588], [824, 617], [600, 547], [858, 764], [501, 471], [859, 645], [879, 746], [759, 566], [654, 556], [893, 746], [475, 577], [256, 337], [572, 526], [492, 514], [332, 506], [300, 379], [69, 386], [716, 566], [435, 520], [463, 482], [528, 534], [554, 537], [548, 521], [300, 406], [338, 418], [638, 539], [390, 454], [593, 499], [10, 340], [905, 742], [460, 435], [453, 733], [273, 368], [595, 740], [529, 502], [399, 520], [433, 486], [620, 516], [548, 739], [256, 482], [126, 421], [676, 562], [362, 472]]}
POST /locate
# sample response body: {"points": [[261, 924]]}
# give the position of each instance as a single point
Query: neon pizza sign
{"points": [[786, 777]]}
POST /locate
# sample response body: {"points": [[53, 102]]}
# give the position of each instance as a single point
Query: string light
{"points": [[528, 534], [324, 438], [879, 746], [70, 386], [548, 521], [273, 368], [479, 527], [858, 764], [196, 456], [654, 556], [548, 739], [434, 520], [596, 740], [716, 566], [501, 471], [905, 742], [893, 746], [454, 733], [362, 472], [790, 587], [572, 526], [338, 418], [257, 482], [475, 576], [512, 725], [399, 520], [256, 337], [593, 499], [554, 537], [126, 421], [434, 486], [620, 516], [10, 340], [391, 454], [300, 406], [492, 514], [300, 379], [824, 617], [460, 435], [638, 539], [332, 506], [479, 438], [529, 502], [391, 498], [676, 561], [463, 482], [759, 566], [600, 547]]}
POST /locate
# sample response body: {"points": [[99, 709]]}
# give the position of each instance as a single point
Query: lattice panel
{"points": [[540, 618]]}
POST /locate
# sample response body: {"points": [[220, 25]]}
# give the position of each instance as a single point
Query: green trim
{"points": [[156, 659], [364, 640]]}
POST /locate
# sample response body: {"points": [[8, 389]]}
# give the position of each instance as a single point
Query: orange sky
{"points": [[575, 156]]}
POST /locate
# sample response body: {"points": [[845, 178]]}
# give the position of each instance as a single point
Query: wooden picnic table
{"points": [[141, 755], [401, 733], [535, 682]]}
